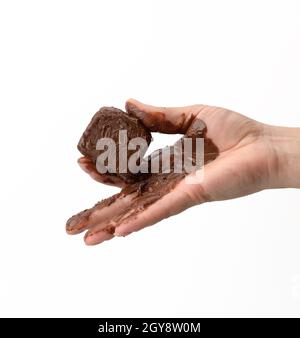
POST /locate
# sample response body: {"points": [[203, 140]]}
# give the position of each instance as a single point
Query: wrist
{"points": [[284, 143]]}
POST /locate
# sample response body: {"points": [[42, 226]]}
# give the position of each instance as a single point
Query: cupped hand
{"points": [[243, 165]]}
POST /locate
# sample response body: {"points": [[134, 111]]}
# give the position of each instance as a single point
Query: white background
{"points": [[60, 62]]}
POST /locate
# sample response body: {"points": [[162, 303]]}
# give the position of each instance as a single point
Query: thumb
{"points": [[163, 119]]}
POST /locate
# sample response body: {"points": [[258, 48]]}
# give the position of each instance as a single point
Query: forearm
{"points": [[285, 144]]}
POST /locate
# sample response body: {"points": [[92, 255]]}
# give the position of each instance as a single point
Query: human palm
{"points": [[240, 168]]}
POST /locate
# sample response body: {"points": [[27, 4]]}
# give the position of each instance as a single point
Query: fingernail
{"points": [[88, 234], [73, 226], [131, 107], [121, 234]]}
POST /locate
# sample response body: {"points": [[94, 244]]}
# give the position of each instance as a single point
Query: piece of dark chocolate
{"points": [[107, 123]]}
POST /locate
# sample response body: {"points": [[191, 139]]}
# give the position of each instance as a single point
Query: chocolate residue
{"points": [[142, 190], [157, 121], [78, 222]]}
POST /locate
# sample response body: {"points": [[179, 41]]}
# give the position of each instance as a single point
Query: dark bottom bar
{"points": [[143, 327]]}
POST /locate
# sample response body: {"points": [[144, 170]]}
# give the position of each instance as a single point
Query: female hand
{"points": [[251, 156]]}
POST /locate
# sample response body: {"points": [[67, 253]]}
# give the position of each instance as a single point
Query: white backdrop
{"points": [[62, 60]]}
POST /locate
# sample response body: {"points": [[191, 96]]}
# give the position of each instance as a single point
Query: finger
{"points": [[123, 207], [85, 219], [105, 209], [89, 167], [91, 238], [78, 223], [170, 204], [162, 119], [132, 201], [107, 217], [102, 214]]}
